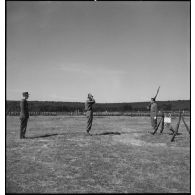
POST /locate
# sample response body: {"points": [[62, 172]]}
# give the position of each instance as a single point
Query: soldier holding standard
{"points": [[24, 114], [89, 111], [153, 112]]}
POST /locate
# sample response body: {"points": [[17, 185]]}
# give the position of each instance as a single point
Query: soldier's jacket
{"points": [[153, 109], [24, 109], [88, 105]]}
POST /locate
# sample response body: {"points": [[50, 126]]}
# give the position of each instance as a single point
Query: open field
{"points": [[121, 156]]}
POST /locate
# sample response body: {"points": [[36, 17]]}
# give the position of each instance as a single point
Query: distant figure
{"points": [[153, 112], [24, 115], [89, 111]]}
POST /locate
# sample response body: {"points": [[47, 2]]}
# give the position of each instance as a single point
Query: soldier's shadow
{"points": [[41, 136], [108, 133]]}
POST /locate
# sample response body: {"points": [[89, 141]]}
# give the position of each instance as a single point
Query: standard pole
{"points": [[177, 128], [185, 125]]}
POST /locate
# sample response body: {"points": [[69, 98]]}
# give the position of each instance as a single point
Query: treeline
{"points": [[51, 106]]}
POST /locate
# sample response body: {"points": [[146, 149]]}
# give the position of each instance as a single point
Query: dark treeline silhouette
{"points": [[51, 106]]}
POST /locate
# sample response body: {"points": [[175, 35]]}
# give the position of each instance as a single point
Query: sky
{"points": [[118, 51]]}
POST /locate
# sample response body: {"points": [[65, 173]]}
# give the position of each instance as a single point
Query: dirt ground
{"points": [[121, 156]]}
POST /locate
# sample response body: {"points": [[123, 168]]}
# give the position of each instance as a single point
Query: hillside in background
{"points": [[51, 106]]}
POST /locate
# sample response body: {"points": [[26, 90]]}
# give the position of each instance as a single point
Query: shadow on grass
{"points": [[40, 136], [108, 133], [132, 132]]}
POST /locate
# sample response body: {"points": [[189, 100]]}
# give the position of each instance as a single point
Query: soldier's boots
{"points": [[22, 136], [88, 133]]}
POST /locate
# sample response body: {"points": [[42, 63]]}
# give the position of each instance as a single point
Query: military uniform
{"points": [[89, 112], [153, 114], [24, 115]]}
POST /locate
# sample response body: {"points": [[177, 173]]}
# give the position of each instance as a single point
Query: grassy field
{"points": [[120, 156]]}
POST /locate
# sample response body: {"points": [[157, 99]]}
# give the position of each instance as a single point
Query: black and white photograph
{"points": [[97, 97]]}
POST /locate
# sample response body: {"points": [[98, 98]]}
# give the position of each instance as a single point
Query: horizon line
{"points": [[100, 102]]}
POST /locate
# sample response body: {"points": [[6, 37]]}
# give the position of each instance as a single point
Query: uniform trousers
{"points": [[89, 115], [23, 126]]}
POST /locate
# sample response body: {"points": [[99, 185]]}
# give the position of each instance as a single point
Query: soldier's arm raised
{"points": [[91, 101]]}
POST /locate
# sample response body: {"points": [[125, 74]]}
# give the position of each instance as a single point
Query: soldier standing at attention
{"points": [[153, 112], [89, 111], [24, 115]]}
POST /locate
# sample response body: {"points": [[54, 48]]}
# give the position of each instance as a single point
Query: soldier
{"points": [[153, 112], [24, 115], [89, 111]]}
